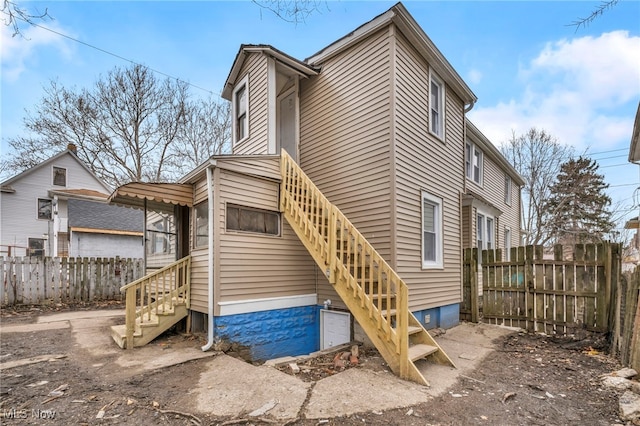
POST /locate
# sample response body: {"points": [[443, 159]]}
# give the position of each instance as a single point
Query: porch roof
{"points": [[158, 195]]}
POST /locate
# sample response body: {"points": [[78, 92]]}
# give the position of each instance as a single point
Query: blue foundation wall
{"points": [[296, 331], [273, 334], [444, 316]]}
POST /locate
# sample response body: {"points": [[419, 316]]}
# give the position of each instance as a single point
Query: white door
{"points": [[287, 124]]}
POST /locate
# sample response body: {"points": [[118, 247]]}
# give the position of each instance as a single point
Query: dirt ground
{"points": [[530, 380]]}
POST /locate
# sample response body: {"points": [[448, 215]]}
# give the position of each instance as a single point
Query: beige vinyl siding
{"points": [[467, 226], [265, 166], [345, 139], [254, 266], [493, 191], [425, 163], [199, 256], [256, 66]]}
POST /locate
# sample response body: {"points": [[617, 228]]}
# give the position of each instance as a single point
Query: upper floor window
{"points": [[241, 110], [45, 207], [436, 106], [59, 176], [473, 163], [431, 231], [507, 189], [248, 219]]}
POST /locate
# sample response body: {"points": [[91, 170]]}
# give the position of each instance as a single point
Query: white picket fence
{"points": [[33, 280]]}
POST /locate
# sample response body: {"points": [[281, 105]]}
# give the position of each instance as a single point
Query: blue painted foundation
{"points": [[272, 334], [444, 316]]}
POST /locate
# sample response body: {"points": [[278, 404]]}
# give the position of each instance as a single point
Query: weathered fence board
{"points": [[31, 280], [550, 295]]}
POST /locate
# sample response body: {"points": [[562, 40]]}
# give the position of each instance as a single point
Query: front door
{"points": [[287, 137]]}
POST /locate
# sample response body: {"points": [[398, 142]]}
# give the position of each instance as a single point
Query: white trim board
{"points": [[256, 305]]}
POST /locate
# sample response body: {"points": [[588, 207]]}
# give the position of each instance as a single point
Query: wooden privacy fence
{"points": [[32, 280], [551, 295]]}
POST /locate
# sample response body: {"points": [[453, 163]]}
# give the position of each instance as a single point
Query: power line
{"points": [[616, 165], [606, 152], [119, 57]]}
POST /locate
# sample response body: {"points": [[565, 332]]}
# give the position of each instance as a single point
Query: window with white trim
{"points": [[240, 101], [436, 106], [474, 163], [45, 208], [507, 189], [59, 176], [432, 252], [507, 243], [485, 231]]}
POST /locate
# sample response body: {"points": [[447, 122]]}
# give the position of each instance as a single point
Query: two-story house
{"points": [[58, 208], [341, 206]]}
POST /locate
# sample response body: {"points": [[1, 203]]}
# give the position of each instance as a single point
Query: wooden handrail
{"points": [[348, 259], [156, 293]]}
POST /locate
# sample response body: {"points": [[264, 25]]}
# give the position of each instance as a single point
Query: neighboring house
{"points": [[58, 208], [491, 205], [97, 229], [376, 121], [634, 223]]}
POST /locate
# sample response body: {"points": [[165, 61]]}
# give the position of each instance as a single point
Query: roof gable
{"points": [[408, 26], [51, 160]]}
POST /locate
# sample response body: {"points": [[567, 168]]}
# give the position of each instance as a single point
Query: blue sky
{"points": [[522, 59]]}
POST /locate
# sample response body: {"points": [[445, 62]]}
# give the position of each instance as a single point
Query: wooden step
{"points": [[413, 330], [421, 351]]}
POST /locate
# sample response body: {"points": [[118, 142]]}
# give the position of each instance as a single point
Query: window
{"points": [[248, 219], [36, 247], [473, 162], [44, 208], [241, 111], [59, 176], [507, 243], [161, 237], [202, 224], [431, 231], [436, 106], [485, 231], [63, 244], [507, 189]]}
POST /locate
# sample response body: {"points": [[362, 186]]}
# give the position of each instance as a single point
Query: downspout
{"points": [[210, 225]]}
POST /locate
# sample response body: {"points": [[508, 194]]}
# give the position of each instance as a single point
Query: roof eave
{"points": [[634, 149], [303, 69]]}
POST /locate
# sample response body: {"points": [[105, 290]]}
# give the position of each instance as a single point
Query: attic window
{"points": [[59, 176], [241, 110]]}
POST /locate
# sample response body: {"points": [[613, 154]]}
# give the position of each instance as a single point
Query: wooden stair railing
{"points": [[374, 293], [156, 294]]}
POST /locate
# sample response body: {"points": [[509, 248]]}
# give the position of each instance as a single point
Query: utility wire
{"points": [[119, 57]]}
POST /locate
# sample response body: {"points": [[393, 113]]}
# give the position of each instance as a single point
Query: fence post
{"points": [[473, 278]]}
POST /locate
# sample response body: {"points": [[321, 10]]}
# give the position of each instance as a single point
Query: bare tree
{"points": [[294, 11], [206, 132], [537, 156], [15, 16], [598, 11], [129, 127]]}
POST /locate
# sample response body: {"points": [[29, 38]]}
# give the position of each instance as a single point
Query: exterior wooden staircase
{"points": [[374, 293], [154, 303]]}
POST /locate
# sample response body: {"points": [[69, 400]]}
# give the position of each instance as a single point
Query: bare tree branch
{"points": [[294, 11], [129, 127], [15, 15]]}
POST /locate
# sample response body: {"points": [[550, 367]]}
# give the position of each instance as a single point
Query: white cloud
{"points": [[578, 90], [474, 76], [19, 50]]}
